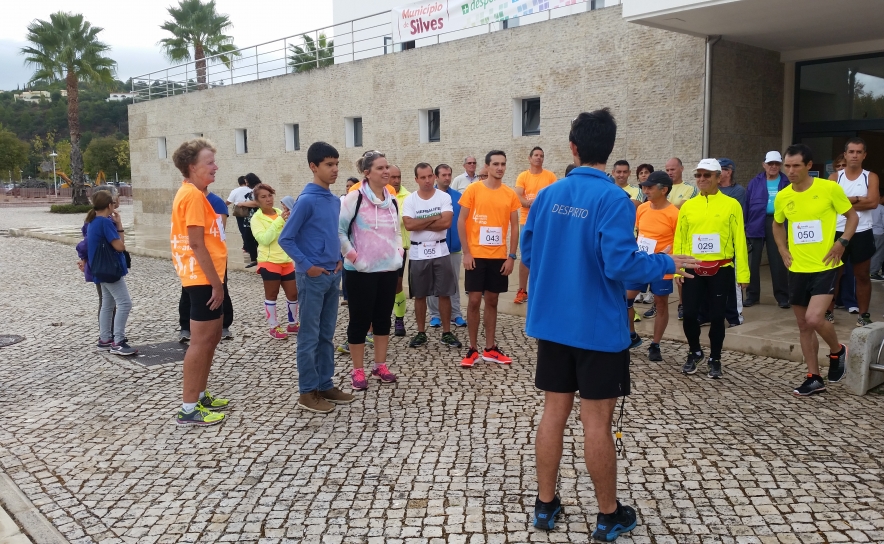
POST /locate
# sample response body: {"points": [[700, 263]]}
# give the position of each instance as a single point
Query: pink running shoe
{"points": [[381, 372], [278, 333], [293, 328], [357, 375]]}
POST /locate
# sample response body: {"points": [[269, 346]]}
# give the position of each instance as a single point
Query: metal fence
{"points": [[352, 40]]}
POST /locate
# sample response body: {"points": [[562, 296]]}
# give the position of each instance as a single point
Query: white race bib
{"points": [[647, 245], [427, 250], [218, 229], [490, 236], [807, 232], [705, 244]]}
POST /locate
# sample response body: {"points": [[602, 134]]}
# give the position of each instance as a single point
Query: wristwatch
{"points": [[512, 256], [844, 241]]}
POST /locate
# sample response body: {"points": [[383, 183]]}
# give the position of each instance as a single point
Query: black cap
{"points": [[658, 177]]}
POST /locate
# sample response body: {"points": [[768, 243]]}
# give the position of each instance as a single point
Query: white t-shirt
{"points": [[427, 244], [238, 195]]}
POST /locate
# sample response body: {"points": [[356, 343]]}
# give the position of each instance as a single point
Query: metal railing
{"points": [[352, 40]]}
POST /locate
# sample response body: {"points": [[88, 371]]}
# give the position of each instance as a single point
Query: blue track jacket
{"points": [[310, 236]]}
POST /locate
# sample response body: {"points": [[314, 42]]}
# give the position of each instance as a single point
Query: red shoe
{"points": [[278, 333], [293, 328], [470, 359], [494, 355], [521, 297]]}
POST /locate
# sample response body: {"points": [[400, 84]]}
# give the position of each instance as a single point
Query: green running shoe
{"points": [[199, 416], [212, 402], [420, 339]]}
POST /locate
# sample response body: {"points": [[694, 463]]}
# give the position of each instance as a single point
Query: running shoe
{"points": [[184, 337], [635, 340], [357, 379], [714, 369], [450, 340], [211, 402], [123, 349], [521, 297], [650, 314], [494, 355], [293, 328], [680, 312], [420, 339], [399, 327], [278, 333], [251, 264], [435, 322], [459, 322], [812, 385], [226, 334], [838, 365], [830, 317], [470, 359], [199, 416], [636, 317], [545, 513], [654, 352], [853, 310], [381, 372], [876, 277], [609, 526], [369, 338], [863, 320], [732, 325], [105, 345], [343, 348], [690, 365]]}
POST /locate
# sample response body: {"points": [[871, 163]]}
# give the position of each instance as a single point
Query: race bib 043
{"points": [[490, 236]]}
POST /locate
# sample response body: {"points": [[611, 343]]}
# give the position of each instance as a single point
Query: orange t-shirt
{"points": [[488, 222], [658, 225], [532, 183], [191, 208], [356, 186]]}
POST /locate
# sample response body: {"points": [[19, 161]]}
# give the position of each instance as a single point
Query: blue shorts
{"points": [[659, 287]]}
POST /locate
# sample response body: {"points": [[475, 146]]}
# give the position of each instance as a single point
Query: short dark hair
{"points": [[319, 151], [800, 149], [593, 134], [492, 153], [442, 166], [570, 167], [252, 180], [421, 166], [621, 162], [644, 166], [856, 140], [263, 187], [536, 148], [241, 180]]}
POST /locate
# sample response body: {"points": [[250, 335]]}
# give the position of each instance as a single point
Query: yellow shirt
{"points": [[532, 184], [681, 193], [823, 201], [634, 192], [717, 217]]}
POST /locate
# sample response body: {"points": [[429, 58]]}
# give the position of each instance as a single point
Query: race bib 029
{"points": [[705, 244]]}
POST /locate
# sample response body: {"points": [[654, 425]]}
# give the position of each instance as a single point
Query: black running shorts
{"points": [[486, 277], [861, 247], [199, 299], [596, 374], [803, 285]]}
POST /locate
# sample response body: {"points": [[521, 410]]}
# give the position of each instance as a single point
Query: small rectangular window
{"points": [[292, 137], [161, 147], [530, 116], [434, 128], [357, 132], [242, 141]]}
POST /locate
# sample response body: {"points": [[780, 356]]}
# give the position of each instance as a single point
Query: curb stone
{"points": [[20, 511]]}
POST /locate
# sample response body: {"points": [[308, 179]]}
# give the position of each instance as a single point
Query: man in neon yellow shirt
{"points": [[811, 206], [399, 306], [620, 173], [680, 193], [710, 228]]}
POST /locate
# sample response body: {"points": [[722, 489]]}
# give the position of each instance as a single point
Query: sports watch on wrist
{"points": [[844, 241], [512, 256]]}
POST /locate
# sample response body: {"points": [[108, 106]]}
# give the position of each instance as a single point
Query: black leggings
{"points": [[711, 294], [371, 297]]}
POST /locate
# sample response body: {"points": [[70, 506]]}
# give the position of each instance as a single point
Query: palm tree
{"points": [[67, 48], [307, 58], [199, 27]]}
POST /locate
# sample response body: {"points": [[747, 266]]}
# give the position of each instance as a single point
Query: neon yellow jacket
{"points": [[714, 214], [266, 232], [400, 199]]}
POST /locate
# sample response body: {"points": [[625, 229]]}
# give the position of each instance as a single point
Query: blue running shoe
{"points": [[545, 513], [650, 314], [610, 526], [635, 340], [435, 322], [459, 322]]}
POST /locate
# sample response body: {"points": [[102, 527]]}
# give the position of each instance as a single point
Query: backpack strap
{"points": [[355, 213]]}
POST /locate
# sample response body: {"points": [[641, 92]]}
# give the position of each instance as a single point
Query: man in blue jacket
{"points": [[579, 245], [310, 238], [443, 183]]}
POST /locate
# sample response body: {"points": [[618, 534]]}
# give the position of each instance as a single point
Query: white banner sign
{"points": [[425, 19]]}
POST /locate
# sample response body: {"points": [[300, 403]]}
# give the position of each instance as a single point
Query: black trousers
{"points": [[249, 244], [371, 299], [184, 308], [697, 292], [779, 274]]}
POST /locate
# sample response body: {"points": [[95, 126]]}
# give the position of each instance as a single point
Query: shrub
{"points": [[70, 208]]}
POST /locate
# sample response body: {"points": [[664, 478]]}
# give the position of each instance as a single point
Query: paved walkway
{"points": [[446, 455]]}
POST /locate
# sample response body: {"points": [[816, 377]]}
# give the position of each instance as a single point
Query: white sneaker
{"points": [[853, 310]]}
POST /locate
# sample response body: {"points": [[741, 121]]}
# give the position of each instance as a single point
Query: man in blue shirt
{"points": [[443, 183], [579, 245]]}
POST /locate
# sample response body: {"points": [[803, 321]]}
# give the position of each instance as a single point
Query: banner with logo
{"points": [[433, 17]]}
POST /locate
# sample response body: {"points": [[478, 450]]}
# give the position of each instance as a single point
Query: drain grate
{"points": [[9, 339], [151, 355]]}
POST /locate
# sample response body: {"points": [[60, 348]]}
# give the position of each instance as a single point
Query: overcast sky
{"points": [[132, 29]]}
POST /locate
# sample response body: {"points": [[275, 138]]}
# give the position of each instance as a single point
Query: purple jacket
{"points": [[756, 203], [83, 253]]}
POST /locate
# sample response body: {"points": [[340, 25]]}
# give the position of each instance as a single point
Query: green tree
{"points": [[67, 48], [303, 59], [101, 155], [199, 27], [13, 154], [123, 159]]}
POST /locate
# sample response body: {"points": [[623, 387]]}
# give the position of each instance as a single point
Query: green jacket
{"points": [[266, 232]]}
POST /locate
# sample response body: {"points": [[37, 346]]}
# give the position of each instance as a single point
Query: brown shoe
{"points": [[336, 396], [314, 403]]}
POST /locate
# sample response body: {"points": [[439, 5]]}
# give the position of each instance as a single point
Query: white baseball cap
{"points": [[709, 164], [773, 156]]}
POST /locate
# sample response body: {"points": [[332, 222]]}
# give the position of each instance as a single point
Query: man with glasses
{"points": [[528, 184], [462, 181], [760, 196]]}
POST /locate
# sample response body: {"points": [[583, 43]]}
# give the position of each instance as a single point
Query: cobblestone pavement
{"points": [[445, 455]]}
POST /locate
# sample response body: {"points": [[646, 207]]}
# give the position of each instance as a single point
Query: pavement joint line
{"points": [[33, 523]]}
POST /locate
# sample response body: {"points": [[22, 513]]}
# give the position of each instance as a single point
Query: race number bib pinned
{"points": [[647, 245], [705, 244], [220, 226], [807, 232], [490, 236]]}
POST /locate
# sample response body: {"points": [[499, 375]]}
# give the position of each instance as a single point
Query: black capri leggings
{"points": [[371, 296]]}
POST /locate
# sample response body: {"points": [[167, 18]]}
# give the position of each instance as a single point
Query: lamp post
{"points": [[54, 177]]}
